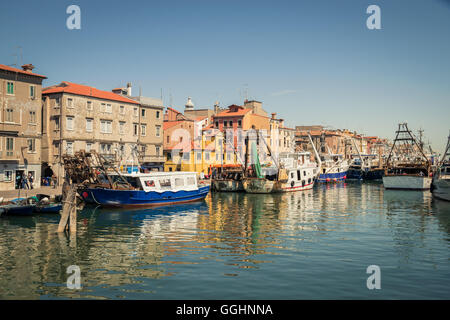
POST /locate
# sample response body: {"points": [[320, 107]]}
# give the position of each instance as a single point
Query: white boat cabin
{"points": [[163, 181]]}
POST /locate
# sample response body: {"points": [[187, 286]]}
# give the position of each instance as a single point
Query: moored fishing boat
{"points": [[440, 186], [334, 168], [301, 173], [146, 190], [411, 170], [227, 177], [359, 171]]}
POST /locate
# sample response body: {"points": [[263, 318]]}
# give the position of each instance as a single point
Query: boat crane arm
{"points": [[319, 161]]}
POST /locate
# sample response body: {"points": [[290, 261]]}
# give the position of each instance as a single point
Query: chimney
{"points": [[129, 89], [273, 115], [28, 67]]}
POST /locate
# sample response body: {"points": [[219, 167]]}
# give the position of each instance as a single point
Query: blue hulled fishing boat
{"points": [[146, 190]]}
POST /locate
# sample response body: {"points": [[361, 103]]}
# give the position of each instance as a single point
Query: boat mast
{"points": [[446, 152], [319, 161], [404, 134]]}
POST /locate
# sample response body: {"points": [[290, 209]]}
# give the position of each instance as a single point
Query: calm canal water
{"points": [[304, 245]]}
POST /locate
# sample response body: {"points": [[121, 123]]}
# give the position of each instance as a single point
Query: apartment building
{"points": [[20, 124], [79, 117]]}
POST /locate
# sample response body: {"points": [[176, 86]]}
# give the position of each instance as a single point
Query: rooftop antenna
{"points": [[246, 91], [140, 91]]}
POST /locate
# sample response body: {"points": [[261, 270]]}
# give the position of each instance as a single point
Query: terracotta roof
{"points": [[82, 90], [240, 111], [8, 68], [170, 124], [172, 109]]}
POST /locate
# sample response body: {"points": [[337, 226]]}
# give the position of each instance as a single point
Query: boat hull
{"points": [[256, 185], [405, 182], [139, 198], [332, 177], [441, 189], [17, 210], [357, 174], [285, 187], [228, 185], [52, 208]]}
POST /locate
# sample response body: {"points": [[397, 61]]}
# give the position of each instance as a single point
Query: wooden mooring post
{"points": [[68, 220]]}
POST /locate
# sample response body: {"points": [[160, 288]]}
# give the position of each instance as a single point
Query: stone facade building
{"points": [[78, 117], [20, 125]]}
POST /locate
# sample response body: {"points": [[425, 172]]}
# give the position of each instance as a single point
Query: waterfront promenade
{"points": [[12, 194]]}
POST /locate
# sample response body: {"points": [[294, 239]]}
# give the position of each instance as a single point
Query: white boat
{"points": [[441, 180], [300, 171], [295, 172], [411, 170]]}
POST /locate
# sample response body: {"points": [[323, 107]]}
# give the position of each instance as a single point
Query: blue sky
{"points": [[312, 62]]}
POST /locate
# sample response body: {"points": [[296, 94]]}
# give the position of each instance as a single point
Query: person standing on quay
{"points": [[30, 180], [24, 182]]}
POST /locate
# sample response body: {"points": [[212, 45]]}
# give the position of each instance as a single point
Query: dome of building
{"points": [[189, 104]]}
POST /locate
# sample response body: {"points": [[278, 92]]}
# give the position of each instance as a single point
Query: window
{"points": [[135, 129], [32, 116], [56, 150], [299, 175], [108, 108], [158, 131], [179, 182], [57, 102], [56, 123], [157, 149], [70, 121], [165, 184], [105, 148], [105, 126], [69, 103], [10, 87], [31, 145], [304, 173], [217, 124], [199, 156], [103, 107], [7, 175], [239, 123], [143, 112], [88, 146], [9, 115], [143, 149], [186, 156], [32, 92], [9, 146], [207, 156], [149, 183], [143, 129], [231, 123], [136, 111], [69, 148], [157, 114], [89, 105], [121, 127], [89, 123], [122, 110], [191, 181]]}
